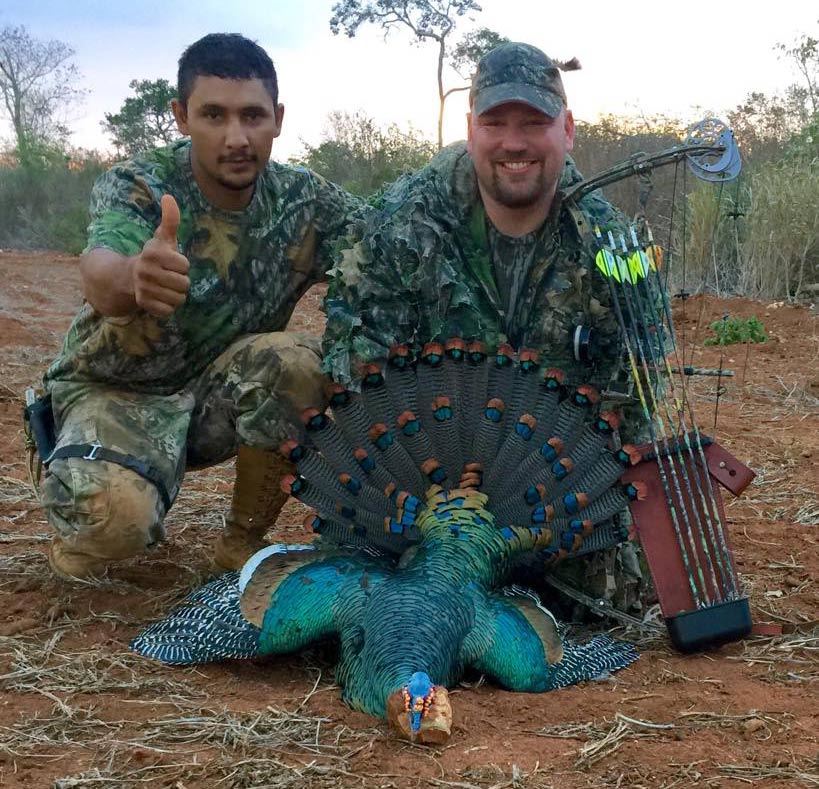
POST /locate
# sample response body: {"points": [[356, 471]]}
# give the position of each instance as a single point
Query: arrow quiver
{"points": [[701, 610], [681, 521]]}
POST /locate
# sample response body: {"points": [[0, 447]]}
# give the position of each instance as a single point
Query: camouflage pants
{"points": [[251, 394]]}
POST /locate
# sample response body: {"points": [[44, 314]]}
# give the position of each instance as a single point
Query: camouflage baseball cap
{"points": [[517, 72]]}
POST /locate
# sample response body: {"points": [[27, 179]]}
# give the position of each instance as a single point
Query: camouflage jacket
{"points": [[415, 274], [247, 269]]}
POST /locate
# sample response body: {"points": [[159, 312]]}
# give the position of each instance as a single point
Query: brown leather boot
{"points": [[257, 501], [71, 564]]}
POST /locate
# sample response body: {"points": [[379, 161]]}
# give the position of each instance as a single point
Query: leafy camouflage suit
{"points": [[186, 389], [418, 273]]}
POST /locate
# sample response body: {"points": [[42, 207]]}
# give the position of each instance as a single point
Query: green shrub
{"points": [[733, 330], [44, 205]]}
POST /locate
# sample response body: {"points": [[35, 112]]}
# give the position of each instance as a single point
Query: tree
{"points": [[805, 54], [145, 120], [471, 48], [362, 157], [37, 83], [432, 20]]}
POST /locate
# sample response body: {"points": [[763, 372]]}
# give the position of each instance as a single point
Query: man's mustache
{"points": [[233, 158]]}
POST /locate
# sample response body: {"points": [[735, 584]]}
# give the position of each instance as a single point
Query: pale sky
{"points": [[638, 56]]}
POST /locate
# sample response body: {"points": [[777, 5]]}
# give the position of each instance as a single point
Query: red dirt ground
{"points": [[79, 710]]}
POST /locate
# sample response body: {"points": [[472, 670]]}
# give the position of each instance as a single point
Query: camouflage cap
{"points": [[517, 72]]}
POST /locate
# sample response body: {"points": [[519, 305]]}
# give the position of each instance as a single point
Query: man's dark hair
{"points": [[225, 55]]}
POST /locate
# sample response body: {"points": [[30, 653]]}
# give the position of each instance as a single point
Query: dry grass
{"points": [[604, 739]]}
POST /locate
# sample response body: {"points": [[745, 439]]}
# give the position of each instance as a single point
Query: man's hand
{"points": [[160, 272]]}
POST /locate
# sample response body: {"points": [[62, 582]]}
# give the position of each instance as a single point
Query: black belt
{"points": [[97, 451]]}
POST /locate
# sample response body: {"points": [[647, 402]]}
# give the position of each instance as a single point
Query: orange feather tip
{"points": [[529, 421], [405, 418], [442, 401], [633, 453], [308, 414], [556, 444], [376, 431], [286, 484], [400, 349], [401, 498], [455, 343], [476, 346], [429, 465], [588, 391], [611, 419], [287, 447], [529, 355], [554, 374], [432, 348], [496, 403], [641, 488], [312, 522]]}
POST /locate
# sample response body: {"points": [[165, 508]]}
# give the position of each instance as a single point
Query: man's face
{"points": [[232, 125], [519, 153]]}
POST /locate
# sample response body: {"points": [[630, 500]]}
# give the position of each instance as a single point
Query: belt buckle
{"points": [[93, 451]]}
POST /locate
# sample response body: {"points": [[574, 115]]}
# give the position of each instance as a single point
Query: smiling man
{"points": [[197, 254], [480, 245]]}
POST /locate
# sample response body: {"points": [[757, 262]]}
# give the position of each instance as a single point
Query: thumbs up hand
{"points": [[160, 272]]}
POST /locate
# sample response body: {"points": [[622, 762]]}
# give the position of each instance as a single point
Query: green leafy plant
{"points": [[733, 330]]}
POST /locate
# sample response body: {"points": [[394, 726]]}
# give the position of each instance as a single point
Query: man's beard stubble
{"points": [[512, 198]]}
